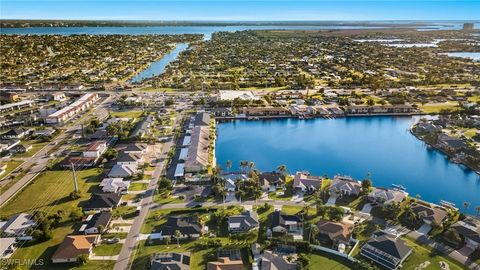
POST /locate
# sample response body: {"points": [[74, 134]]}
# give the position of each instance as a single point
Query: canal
{"points": [[355, 146]]}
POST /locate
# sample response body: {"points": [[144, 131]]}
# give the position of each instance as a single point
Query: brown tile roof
{"points": [[75, 245]]}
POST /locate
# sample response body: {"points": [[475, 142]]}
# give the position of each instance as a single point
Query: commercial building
{"points": [[71, 110]]}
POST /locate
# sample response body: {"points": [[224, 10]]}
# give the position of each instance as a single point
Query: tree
{"points": [[303, 262], [229, 165], [370, 102], [167, 240], [466, 205], [478, 210], [76, 214], [110, 154], [101, 228], [82, 259], [282, 169], [75, 195], [366, 184], [178, 234]]}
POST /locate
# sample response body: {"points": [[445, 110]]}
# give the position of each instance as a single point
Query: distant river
{"points": [[351, 146], [158, 67]]}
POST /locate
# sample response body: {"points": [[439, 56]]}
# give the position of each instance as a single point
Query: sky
{"points": [[234, 10]]}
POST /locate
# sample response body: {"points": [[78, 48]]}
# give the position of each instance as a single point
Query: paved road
{"points": [[39, 161], [133, 236]]}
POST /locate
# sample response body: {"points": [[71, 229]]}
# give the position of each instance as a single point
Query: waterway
{"points": [[355, 146], [158, 67], [470, 55]]}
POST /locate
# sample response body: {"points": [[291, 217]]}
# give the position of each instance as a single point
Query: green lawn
{"points": [[107, 249], [138, 186], [36, 146], [50, 192], [126, 212], [322, 260], [291, 209], [126, 114], [12, 164], [423, 254], [161, 199], [433, 108]]}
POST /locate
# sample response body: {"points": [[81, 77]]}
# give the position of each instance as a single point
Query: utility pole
{"points": [[74, 177]]}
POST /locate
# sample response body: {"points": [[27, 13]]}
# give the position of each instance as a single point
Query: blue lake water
{"points": [[470, 55], [158, 67], [352, 146]]}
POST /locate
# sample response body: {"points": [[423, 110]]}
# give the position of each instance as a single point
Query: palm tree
{"points": [[177, 235], [168, 240], [478, 210], [251, 165], [465, 206], [282, 169], [243, 165], [229, 165]]}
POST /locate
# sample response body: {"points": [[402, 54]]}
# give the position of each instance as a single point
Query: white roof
{"points": [[186, 140], [180, 170], [20, 103], [183, 153], [5, 243]]}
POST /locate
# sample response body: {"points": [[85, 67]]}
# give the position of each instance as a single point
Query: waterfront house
{"points": [[96, 223], [202, 119], [244, 222], [386, 196], [469, 229], [304, 182], [188, 226], [122, 171], [264, 111], [271, 181], [102, 202], [17, 226], [346, 186], [170, 261], [384, 109], [334, 234], [110, 185], [427, 127], [386, 250], [222, 112], [283, 223], [73, 246], [451, 143], [429, 213], [197, 155]]}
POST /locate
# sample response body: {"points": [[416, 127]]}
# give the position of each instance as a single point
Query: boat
{"points": [[400, 187]]}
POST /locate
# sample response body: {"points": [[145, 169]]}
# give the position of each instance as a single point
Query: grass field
{"points": [[138, 186], [433, 108], [126, 114], [327, 261], [12, 164], [107, 249], [50, 192], [36, 146], [422, 254]]}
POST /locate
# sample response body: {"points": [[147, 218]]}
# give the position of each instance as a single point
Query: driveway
{"points": [[366, 208], [331, 200], [424, 229], [298, 197]]}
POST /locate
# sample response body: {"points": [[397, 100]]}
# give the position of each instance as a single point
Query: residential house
{"points": [[78, 162], [304, 182], [334, 234], [469, 229], [110, 185], [170, 261], [386, 196], [102, 202], [96, 223], [17, 226], [129, 159], [222, 112], [142, 128], [6, 145], [95, 149], [197, 155], [386, 250], [73, 246], [283, 223], [272, 261], [202, 119], [429, 213], [271, 181], [451, 143], [122, 171], [20, 148], [244, 222], [188, 226], [132, 148], [347, 186], [7, 247], [14, 133], [224, 263]]}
